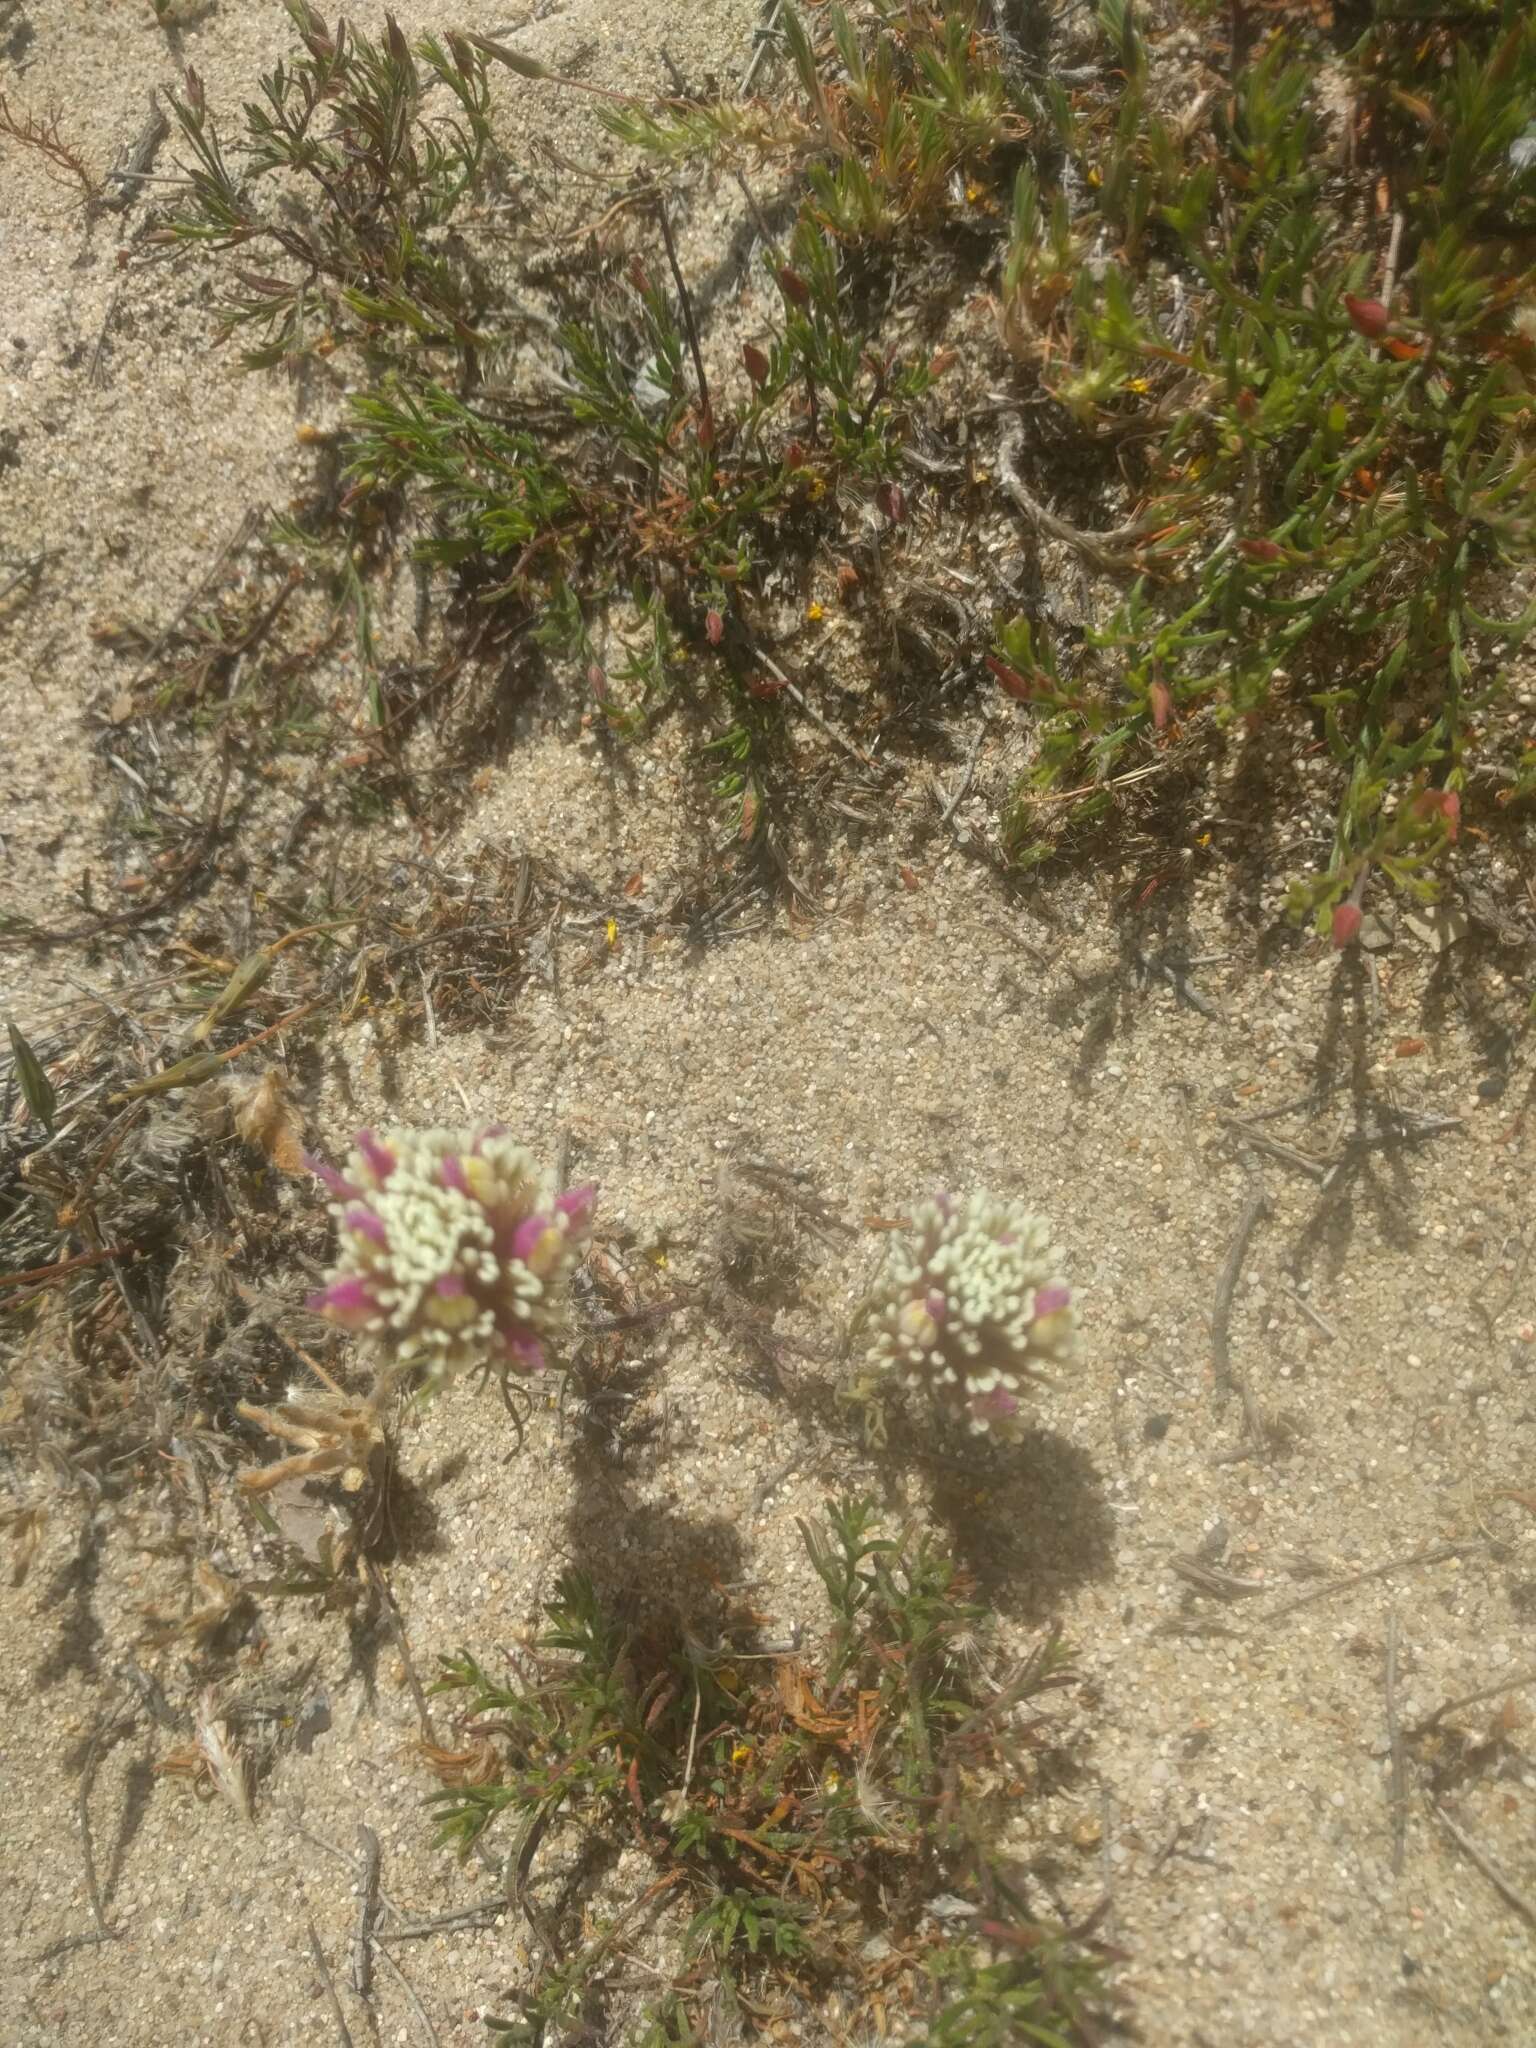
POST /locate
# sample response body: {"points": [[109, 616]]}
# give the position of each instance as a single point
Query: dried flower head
{"points": [[337, 1436], [214, 1763], [970, 1305], [456, 1253]]}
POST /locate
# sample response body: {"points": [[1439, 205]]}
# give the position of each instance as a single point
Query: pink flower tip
{"points": [[349, 1302], [936, 1305], [453, 1174], [528, 1234], [526, 1353], [326, 1174], [1050, 1301], [366, 1224], [1347, 921], [378, 1158], [997, 1406], [577, 1204], [450, 1284]]}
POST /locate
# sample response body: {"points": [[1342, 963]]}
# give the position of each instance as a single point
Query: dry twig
{"points": [[765, 39], [1106, 550], [461, 1916], [367, 1912], [135, 164], [1256, 1206], [1317, 1168], [1437, 1555], [83, 1809], [328, 1985], [1205, 1579], [410, 1991], [1474, 1699], [1396, 1784], [402, 1643], [1485, 1863]]}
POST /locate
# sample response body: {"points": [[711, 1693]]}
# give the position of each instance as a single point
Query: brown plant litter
{"points": [[1229, 1585]]}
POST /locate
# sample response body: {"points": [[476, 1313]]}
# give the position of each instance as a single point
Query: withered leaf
{"points": [[267, 1117]]}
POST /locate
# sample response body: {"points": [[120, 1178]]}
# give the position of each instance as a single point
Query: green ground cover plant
{"points": [[804, 1809], [1316, 403]]}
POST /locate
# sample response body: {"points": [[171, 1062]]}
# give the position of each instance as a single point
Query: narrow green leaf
{"points": [[36, 1088]]}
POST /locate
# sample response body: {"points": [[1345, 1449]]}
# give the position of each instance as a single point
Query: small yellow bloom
{"points": [[1137, 384], [814, 612], [831, 1781], [816, 488], [613, 932], [1094, 176], [973, 191], [741, 1753]]}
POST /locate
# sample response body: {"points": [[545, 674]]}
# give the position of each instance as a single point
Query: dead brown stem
{"points": [[1397, 1797], [1485, 1863], [1437, 1555], [41, 133]]}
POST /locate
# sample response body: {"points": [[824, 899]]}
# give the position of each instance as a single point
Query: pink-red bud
{"points": [[1440, 803], [1018, 687], [793, 286], [1367, 316], [1347, 921]]}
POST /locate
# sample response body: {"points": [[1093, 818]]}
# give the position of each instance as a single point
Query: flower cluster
{"points": [[970, 1306], [455, 1252]]}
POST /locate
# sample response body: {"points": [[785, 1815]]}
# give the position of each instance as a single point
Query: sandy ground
{"points": [[1234, 1791]]}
